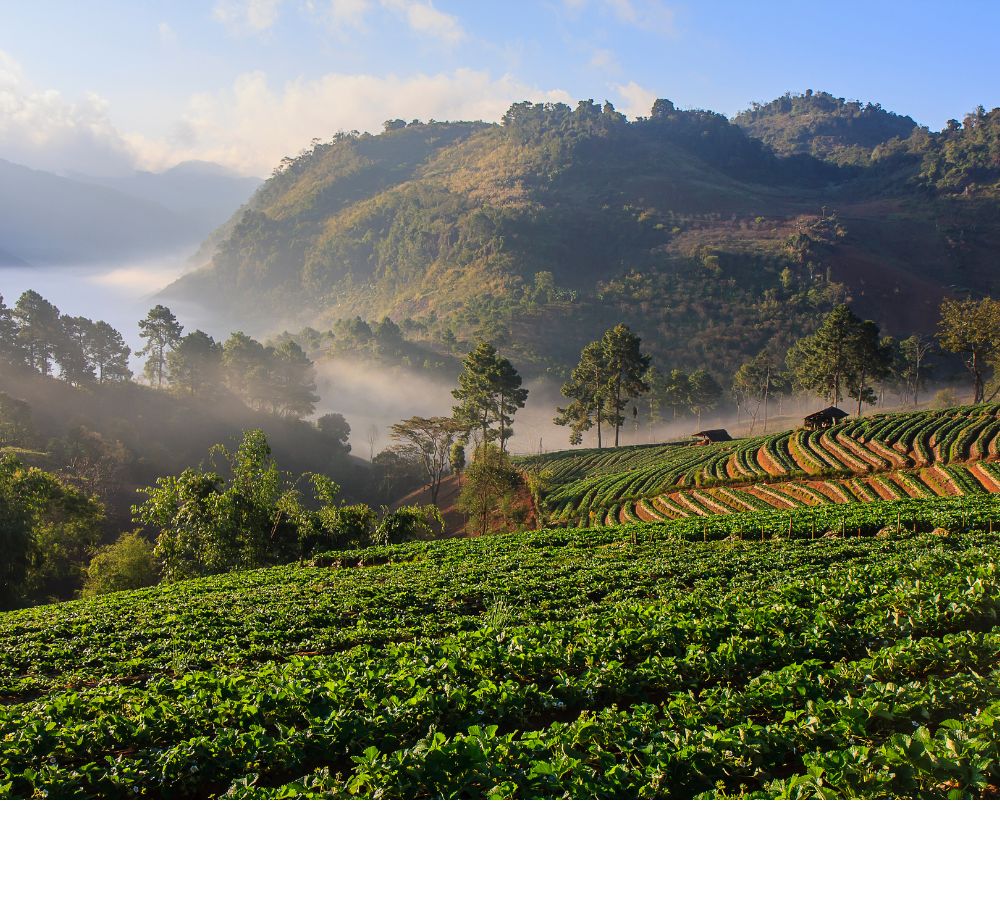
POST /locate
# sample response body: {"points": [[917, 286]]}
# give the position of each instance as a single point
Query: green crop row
{"points": [[836, 651]]}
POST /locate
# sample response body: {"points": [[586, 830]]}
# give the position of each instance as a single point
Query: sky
{"points": [[107, 86]]}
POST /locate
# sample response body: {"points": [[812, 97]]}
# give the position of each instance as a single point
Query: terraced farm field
{"points": [[887, 457], [849, 650]]}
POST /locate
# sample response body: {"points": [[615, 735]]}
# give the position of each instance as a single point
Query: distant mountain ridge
{"points": [[85, 219], [544, 229]]}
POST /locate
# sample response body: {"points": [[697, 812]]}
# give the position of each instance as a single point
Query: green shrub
{"points": [[124, 565]]}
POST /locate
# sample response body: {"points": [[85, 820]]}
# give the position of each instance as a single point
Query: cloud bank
{"points": [[43, 129], [249, 126]]}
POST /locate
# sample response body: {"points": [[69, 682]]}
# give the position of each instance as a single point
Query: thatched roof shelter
{"points": [[823, 419], [707, 436]]}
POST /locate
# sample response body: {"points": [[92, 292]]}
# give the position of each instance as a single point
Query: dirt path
{"points": [[769, 464], [984, 477]]}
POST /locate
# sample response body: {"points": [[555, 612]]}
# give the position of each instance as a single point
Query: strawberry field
{"points": [[849, 650], [883, 457]]}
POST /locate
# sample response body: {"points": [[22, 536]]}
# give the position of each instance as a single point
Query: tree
{"points": [[587, 390], [247, 514], [47, 528], [72, 350], [676, 391], [429, 441], [489, 393], [292, 381], [754, 383], [409, 522], [108, 353], [9, 350], [654, 398], [971, 328], [456, 458], [489, 490], [336, 429], [162, 332], [509, 398], [15, 421], [871, 361], [195, 363], [209, 523], [912, 367], [823, 361], [124, 565], [246, 369], [705, 392], [626, 366], [39, 330]]}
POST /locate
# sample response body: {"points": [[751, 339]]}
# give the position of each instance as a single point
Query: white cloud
{"points": [[349, 13], [247, 15], [603, 59], [43, 129], [249, 126], [634, 100], [253, 125], [167, 34], [428, 20], [649, 15]]}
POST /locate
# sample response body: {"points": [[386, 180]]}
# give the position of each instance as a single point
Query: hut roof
{"points": [[827, 413], [714, 435]]}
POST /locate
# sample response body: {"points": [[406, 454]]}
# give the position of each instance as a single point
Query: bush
{"points": [[410, 522], [124, 565]]}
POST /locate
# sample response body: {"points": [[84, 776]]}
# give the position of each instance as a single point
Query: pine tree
{"points": [[587, 390], [247, 369], [72, 352], [626, 366], [822, 361], [292, 381], [872, 360], [161, 331], [705, 392], [489, 393], [39, 330], [195, 363], [109, 353], [9, 350]]}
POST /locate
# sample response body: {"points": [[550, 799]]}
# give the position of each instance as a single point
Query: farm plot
{"points": [[731, 656], [890, 456]]}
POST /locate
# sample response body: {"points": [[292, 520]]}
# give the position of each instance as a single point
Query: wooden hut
{"points": [[823, 419], [708, 436]]}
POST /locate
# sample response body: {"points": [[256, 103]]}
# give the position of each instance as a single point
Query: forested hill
{"points": [[543, 230], [817, 124]]}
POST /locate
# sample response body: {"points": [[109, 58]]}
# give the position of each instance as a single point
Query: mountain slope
{"points": [[540, 231]]}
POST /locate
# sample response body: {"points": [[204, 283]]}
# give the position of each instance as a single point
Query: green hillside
{"points": [[545, 229], [687, 659]]}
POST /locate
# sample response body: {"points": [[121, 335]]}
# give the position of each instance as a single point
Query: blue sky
{"points": [[105, 86]]}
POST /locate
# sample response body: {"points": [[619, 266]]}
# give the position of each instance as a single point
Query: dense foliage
{"points": [[817, 124], [249, 514], [650, 661], [46, 530]]}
